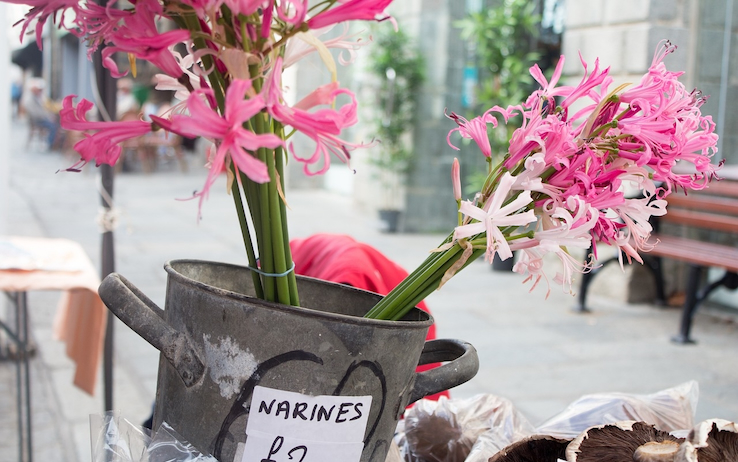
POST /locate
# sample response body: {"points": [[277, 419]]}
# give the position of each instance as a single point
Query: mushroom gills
{"points": [[722, 446], [616, 442], [536, 448]]}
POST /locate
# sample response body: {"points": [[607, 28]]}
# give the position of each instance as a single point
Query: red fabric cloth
{"points": [[340, 258]]}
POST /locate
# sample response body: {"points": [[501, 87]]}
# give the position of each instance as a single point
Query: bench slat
{"points": [[701, 220], [696, 252], [701, 202], [722, 188]]}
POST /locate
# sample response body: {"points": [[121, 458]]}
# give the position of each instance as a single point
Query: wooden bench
{"points": [[713, 211]]}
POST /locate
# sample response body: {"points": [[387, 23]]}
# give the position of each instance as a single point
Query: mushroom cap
{"points": [[711, 440], [614, 442], [436, 438], [536, 448]]}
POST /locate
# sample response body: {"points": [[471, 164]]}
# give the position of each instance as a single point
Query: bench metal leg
{"points": [[690, 305], [581, 306], [655, 265], [694, 297]]}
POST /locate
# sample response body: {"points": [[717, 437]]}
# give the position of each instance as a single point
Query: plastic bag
{"points": [[669, 410], [115, 439], [460, 430], [169, 446]]}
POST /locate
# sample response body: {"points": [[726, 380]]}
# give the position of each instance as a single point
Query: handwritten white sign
{"points": [[286, 426]]}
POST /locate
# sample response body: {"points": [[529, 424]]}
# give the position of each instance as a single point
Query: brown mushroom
{"points": [[437, 438], [714, 440], [536, 448], [623, 441]]}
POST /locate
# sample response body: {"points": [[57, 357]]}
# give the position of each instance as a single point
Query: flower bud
{"points": [[456, 179]]}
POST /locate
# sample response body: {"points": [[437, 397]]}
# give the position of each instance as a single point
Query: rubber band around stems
{"points": [[272, 275]]}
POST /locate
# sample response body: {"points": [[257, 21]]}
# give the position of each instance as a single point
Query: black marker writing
{"points": [[286, 409], [358, 411], [277, 445], [278, 441], [304, 452]]}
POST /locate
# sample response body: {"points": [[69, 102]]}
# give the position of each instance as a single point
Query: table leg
{"points": [[24, 347], [21, 340]]}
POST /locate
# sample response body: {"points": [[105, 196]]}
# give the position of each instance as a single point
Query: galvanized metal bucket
{"points": [[218, 344]]}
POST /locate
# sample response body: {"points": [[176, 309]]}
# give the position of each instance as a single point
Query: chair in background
{"points": [[37, 135]]}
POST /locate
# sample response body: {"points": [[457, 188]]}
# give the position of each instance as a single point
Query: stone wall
{"points": [[428, 204], [709, 55], [624, 34]]}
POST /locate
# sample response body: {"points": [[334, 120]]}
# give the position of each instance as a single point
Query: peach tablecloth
{"points": [[28, 263]]}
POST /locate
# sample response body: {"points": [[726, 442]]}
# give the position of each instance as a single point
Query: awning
{"points": [[29, 58]]}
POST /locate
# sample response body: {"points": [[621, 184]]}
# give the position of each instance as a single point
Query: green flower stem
{"points": [[238, 201], [427, 277], [384, 309], [253, 198], [398, 299], [432, 285], [264, 237], [244, 35], [258, 202], [419, 284], [279, 165], [277, 238]]}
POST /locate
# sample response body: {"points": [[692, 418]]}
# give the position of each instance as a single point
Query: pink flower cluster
{"points": [[562, 184], [231, 75]]}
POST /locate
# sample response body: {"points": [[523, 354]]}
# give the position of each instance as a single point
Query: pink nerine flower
{"points": [[98, 22], [322, 126], [292, 11], [563, 227], [548, 89], [349, 10], [574, 169], [494, 216], [104, 145], [40, 11], [140, 37], [475, 129], [227, 131], [304, 43]]}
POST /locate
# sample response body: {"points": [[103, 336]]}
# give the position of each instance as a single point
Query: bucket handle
{"points": [[142, 315], [463, 366]]}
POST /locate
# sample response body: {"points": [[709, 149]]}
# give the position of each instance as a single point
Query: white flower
{"points": [[494, 216], [562, 231]]}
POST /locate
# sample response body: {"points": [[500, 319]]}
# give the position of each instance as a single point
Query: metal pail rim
{"points": [[424, 319]]}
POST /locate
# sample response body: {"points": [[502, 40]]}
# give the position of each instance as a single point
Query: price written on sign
{"points": [[284, 426]]}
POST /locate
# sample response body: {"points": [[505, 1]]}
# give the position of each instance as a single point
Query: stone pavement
{"points": [[532, 350]]}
